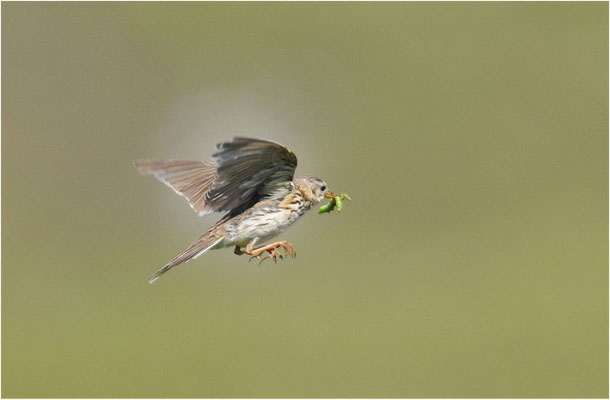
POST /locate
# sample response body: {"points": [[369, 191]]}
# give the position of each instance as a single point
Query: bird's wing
{"points": [[190, 179], [248, 170], [244, 171]]}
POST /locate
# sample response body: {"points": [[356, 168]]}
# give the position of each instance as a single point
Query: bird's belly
{"points": [[263, 224]]}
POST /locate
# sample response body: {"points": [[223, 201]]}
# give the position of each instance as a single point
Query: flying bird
{"points": [[252, 182]]}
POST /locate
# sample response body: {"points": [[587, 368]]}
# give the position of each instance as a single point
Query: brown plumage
{"points": [[190, 179], [251, 180]]}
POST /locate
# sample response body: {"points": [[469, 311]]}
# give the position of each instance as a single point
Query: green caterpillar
{"points": [[335, 202]]}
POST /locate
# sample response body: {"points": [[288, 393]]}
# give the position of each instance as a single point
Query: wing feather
{"points": [[243, 171], [190, 179], [248, 170]]}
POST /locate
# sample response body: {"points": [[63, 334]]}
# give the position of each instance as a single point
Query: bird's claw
{"points": [[289, 249], [274, 253]]}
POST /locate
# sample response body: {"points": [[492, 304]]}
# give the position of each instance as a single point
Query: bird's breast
{"points": [[270, 219]]}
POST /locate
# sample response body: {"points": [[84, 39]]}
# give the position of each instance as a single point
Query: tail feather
{"points": [[197, 248]]}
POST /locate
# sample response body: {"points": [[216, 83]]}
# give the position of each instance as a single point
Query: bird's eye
{"points": [[323, 188]]}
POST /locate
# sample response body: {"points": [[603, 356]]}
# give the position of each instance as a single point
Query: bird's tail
{"points": [[204, 243]]}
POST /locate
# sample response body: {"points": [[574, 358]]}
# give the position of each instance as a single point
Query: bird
{"points": [[252, 182]]}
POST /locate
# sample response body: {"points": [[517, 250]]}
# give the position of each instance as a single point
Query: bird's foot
{"points": [[273, 251], [289, 249]]}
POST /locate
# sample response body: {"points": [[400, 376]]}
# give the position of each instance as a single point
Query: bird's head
{"points": [[314, 188]]}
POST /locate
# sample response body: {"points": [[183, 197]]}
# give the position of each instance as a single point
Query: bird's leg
{"points": [[272, 249], [238, 251]]}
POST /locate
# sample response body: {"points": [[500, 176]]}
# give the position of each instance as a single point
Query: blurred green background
{"points": [[472, 262]]}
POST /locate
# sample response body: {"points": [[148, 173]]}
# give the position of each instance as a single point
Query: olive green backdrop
{"points": [[473, 138]]}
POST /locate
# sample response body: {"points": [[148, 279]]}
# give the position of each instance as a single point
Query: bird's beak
{"points": [[329, 195]]}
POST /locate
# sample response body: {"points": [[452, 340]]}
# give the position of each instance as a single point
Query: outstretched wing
{"points": [[244, 171], [190, 179], [247, 170]]}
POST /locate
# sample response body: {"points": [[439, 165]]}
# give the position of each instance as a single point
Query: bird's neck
{"points": [[304, 191]]}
